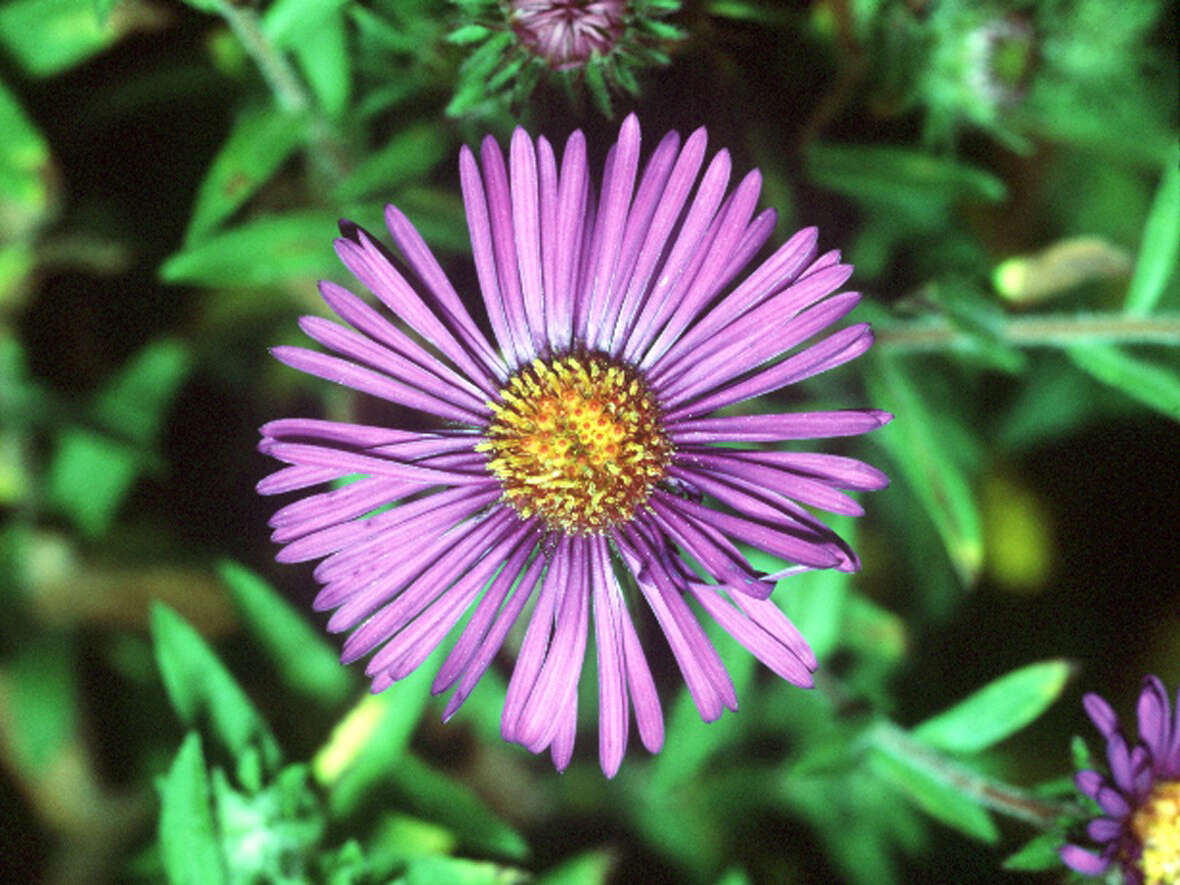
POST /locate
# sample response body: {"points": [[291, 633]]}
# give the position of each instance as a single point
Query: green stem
{"points": [[1042, 330], [283, 82], [994, 794]]}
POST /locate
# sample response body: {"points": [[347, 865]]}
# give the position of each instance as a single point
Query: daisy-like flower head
{"points": [[572, 467], [1139, 830]]}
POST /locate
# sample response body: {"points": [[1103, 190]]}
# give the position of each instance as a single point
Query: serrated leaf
{"points": [[134, 403], [46, 37], [917, 443], [1150, 384], [1000, 708], [1161, 242], [259, 143], [199, 684], [263, 251], [304, 661], [406, 157], [89, 477], [1039, 853], [433, 795], [188, 840], [931, 792]]}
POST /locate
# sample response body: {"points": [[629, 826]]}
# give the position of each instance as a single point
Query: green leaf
{"points": [[89, 477], [587, 868], [1161, 242], [930, 788], [471, 88], [595, 73], [305, 662], [287, 23], [46, 37], [398, 838], [198, 683], [135, 402], [406, 157], [260, 142], [1152, 385], [1039, 853], [433, 795], [917, 440], [326, 63], [458, 871], [263, 251], [24, 170], [468, 34], [1000, 708], [42, 703], [188, 840]]}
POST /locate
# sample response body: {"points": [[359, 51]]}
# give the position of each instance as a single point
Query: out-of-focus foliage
{"points": [[1006, 178]]}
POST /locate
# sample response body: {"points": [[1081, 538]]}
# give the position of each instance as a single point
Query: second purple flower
{"points": [[575, 461]]}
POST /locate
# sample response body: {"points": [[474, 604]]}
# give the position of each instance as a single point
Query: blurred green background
{"points": [[1006, 178]]}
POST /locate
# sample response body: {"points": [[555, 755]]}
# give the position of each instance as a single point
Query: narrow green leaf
{"points": [[287, 23], [326, 63], [1161, 242], [433, 795], [24, 162], [1039, 853], [261, 140], [46, 37], [929, 789], [135, 402], [398, 838], [468, 34], [1000, 708], [918, 443], [264, 250], [304, 661], [42, 700], [459, 871], [89, 476], [406, 157], [1152, 385], [198, 683], [188, 840], [588, 868], [596, 82], [471, 88]]}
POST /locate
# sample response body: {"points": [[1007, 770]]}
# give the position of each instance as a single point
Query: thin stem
{"points": [[283, 82], [994, 794], [1043, 330]]}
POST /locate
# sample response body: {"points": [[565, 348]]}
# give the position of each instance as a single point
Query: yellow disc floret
{"points": [[577, 441], [1157, 824]]}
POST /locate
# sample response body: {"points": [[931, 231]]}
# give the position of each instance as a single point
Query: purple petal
{"points": [[536, 640], [426, 266], [608, 640], [562, 748], [298, 476], [778, 427], [767, 615], [490, 644], [1085, 862], [526, 226], [499, 197], [649, 717], [337, 506], [1089, 783], [1113, 802], [834, 470], [1101, 714], [671, 201], [779, 658], [345, 463], [784, 482], [572, 212], [1154, 717]]}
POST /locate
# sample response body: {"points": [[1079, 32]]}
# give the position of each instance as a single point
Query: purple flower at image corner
{"points": [[577, 462], [1138, 832]]}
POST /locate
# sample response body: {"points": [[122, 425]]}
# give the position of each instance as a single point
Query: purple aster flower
{"points": [[1139, 830], [566, 33], [577, 464]]}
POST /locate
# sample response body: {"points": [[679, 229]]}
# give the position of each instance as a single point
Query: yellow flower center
{"points": [[1157, 825], [578, 441]]}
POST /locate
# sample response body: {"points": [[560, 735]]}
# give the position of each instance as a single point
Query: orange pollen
{"points": [[577, 441], [1157, 826]]}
